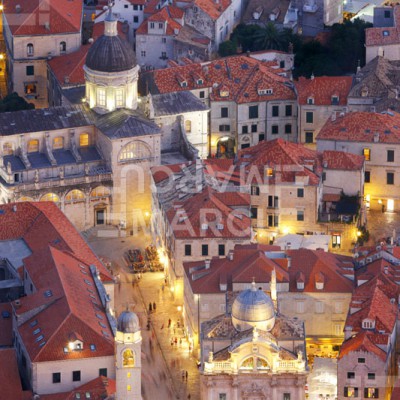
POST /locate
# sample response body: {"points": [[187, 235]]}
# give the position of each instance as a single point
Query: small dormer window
{"points": [[183, 84], [262, 92], [386, 33], [199, 81], [310, 100], [364, 92], [224, 93], [368, 324], [204, 227], [220, 227], [269, 172], [300, 285], [335, 100], [319, 285]]}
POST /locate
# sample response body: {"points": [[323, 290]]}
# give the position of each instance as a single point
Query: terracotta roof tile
{"points": [[63, 16], [385, 35], [342, 160], [212, 8], [363, 127], [168, 15], [322, 88], [362, 343]]}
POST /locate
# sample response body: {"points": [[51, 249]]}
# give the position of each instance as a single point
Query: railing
{"points": [[56, 182], [223, 366]]}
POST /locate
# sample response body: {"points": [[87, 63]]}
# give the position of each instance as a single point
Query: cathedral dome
{"points": [[253, 308], [128, 322], [110, 52]]}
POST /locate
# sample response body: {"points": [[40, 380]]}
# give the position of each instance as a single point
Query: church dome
{"points": [[110, 52], [128, 322], [253, 308]]}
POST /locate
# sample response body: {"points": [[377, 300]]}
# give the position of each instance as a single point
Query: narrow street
{"points": [[162, 362]]}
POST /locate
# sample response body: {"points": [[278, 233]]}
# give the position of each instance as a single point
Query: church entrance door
{"points": [[100, 217]]}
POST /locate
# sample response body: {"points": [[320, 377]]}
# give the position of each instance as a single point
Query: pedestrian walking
{"points": [[162, 287], [150, 307], [154, 306], [176, 340], [180, 341], [183, 375], [162, 326], [169, 323], [186, 375], [189, 396]]}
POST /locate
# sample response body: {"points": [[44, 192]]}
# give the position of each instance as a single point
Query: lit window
{"points": [[128, 358], [128, 375], [188, 126], [7, 149], [50, 197], [25, 198], [100, 191], [33, 146], [84, 140], [119, 98], [30, 88], [269, 172], [128, 388], [75, 195], [101, 97], [367, 154], [134, 151], [58, 143]]}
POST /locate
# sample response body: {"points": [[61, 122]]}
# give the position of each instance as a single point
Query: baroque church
{"points": [[93, 158]]}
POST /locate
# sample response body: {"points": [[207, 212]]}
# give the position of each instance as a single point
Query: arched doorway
{"points": [[225, 147]]}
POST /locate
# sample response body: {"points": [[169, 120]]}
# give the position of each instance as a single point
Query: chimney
{"points": [[376, 137], [105, 381], [289, 261], [207, 264], [14, 208], [333, 116], [312, 76], [325, 164], [358, 67], [230, 255], [17, 8]]}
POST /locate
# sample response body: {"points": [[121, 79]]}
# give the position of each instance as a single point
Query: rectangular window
{"points": [[361, 360], [390, 156], [351, 375], [221, 249], [202, 94], [253, 212], [135, 7], [151, 25], [338, 307], [309, 137], [300, 307], [222, 396], [160, 25], [188, 249], [30, 70], [204, 249], [390, 178], [119, 98], [56, 377], [319, 307], [255, 190], [163, 55], [224, 128], [300, 215], [275, 111], [143, 53], [101, 97], [367, 154], [261, 137], [288, 111], [286, 396], [371, 393], [103, 372], [136, 19], [245, 129], [387, 13], [367, 176], [245, 146], [76, 376], [371, 375], [288, 129], [273, 202], [164, 40], [300, 192], [309, 117], [350, 392], [274, 129], [254, 128], [224, 112], [253, 112]]}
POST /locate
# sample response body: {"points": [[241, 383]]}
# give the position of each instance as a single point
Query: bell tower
{"points": [[128, 343]]}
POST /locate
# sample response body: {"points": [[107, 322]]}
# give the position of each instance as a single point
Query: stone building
{"points": [[319, 98], [253, 352], [34, 31], [367, 359], [376, 137], [93, 159]]}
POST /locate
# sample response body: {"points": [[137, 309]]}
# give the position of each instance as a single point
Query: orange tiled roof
{"points": [[240, 76], [187, 218], [213, 8], [385, 35], [63, 16], [342, 160], [71, 65], [249, 262], [168, 15], [362, 342], [11, 387], [322, 88], [363, 127]]}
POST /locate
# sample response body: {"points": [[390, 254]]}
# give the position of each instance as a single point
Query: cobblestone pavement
{"points": [[162, 363]]}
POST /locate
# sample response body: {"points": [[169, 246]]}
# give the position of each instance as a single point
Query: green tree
{"points": [[13, 102], [227, 48], [269, 38], [243, 36]]}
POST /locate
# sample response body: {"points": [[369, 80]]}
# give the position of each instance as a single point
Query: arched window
{"points": [[248, 364], [100, 191], [50, 197], [63, 47], [29, 49], [25, 198], [134, 151], [75, 195], [33, 146], [128, 358], [7, 149], [83, 140], [188, 126], [262, 363], [58, 143]]}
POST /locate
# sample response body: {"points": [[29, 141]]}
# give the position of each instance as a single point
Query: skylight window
{"points": [[88, 282], [33, 323], [48, 293], [39, 338], [102, 325], [83, 272], [42, 344], [386, 33], [99, 316], [93, 347], [36, 331]]}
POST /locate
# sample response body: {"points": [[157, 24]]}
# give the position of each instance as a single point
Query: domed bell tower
{"points": [[111, 72], [128, 343]]}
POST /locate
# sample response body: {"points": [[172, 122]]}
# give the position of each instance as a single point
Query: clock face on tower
{"points": [[128, 358]]}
